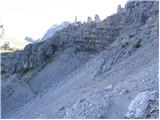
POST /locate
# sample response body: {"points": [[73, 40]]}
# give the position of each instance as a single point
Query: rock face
{"points": [[32, 56], [83, 36], [119, 9], [97, 19], [138, 107], [89, 19], [88, 70]]}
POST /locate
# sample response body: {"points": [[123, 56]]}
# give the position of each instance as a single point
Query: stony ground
{"points": [[120, 81]]}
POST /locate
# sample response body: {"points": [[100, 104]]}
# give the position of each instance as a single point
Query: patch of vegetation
{"points": [[34, 71], [26, 70], [138, 44], [48, 56]]}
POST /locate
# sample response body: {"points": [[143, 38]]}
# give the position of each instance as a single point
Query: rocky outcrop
{"points": [[97, 19], [89, 20], [87, 36], [138, 107], [32, 56], [119, 9]]}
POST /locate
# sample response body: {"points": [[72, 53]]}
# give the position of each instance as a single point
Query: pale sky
{"points": [[32, 18]]}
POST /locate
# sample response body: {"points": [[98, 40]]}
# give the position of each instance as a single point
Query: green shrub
{"points": [[138, 44], [26, 70]]}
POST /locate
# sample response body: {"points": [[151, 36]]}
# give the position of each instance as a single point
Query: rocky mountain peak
{"points": [[97, 35], [89, 19], [97, 19], [50, 32], [119, 9]]}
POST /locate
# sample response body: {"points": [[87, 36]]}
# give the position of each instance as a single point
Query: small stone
{"points": [[152, 110], [96, 91], [146, 60], [81, 100], [143, 80], [61, 108], [124, 91], [109, 87], [117, 90]]}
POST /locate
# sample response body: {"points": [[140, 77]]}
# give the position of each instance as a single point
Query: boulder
{"points": [[138, 106]]}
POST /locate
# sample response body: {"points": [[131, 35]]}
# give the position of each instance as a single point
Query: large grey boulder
{"points": [[138, 106]]}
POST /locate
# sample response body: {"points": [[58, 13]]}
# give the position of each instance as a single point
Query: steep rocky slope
{"points": [[105, 69]]}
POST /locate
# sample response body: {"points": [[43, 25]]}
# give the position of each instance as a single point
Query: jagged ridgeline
{"points": [[93, 35]]}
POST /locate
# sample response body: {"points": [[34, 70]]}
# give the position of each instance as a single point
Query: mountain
{"points": [[29, 39], [106, 69], [50, 32]]}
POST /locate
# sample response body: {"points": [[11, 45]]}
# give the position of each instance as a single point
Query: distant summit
{"points": [[29, 39], [53, 29]]}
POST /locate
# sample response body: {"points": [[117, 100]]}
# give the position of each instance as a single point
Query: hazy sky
{"points": [[33, 17]]}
